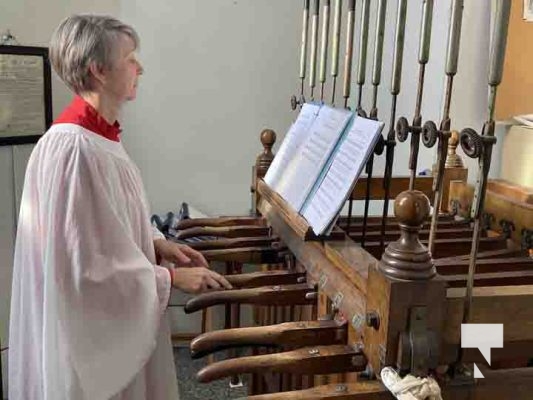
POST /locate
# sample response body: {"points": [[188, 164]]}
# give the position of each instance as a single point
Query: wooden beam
{"points": [[323, 270], [507, 305]]}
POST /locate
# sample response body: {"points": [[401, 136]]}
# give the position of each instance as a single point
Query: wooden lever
{"points": [[296, 334], [269, 295], [246, 255], [265, 278], [219, 222], [232, 243], [228, 232], [309, 361]]}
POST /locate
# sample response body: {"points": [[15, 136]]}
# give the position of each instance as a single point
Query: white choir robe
{"points": [[88, 304]]}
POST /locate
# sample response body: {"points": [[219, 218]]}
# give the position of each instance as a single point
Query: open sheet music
{"points": [[291, 144], [303, 171], [320, 160], [340, 174]]}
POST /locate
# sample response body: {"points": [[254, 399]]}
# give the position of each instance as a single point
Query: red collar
{"points": [[81, 113]]}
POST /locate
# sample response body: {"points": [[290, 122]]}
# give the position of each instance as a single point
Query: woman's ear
{"points": [[97, 73]]}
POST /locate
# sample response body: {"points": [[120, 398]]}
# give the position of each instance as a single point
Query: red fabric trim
{"points": [[81, 113]]}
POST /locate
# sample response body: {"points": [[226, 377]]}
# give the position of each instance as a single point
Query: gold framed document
{"points": [[25, 94]]}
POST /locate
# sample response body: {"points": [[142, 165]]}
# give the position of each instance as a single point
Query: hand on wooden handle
{"points": [[197, 280], [283, 295]]}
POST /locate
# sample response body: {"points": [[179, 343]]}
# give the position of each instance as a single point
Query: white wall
{"points": [[217, 73]]}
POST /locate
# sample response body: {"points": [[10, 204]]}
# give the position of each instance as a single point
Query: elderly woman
{"points": [[88, 300]]}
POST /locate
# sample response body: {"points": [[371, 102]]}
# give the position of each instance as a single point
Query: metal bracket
{"points": [[382, 351], [418, 347], [486, 221], [527, 238], [358, 321], [337, 300], [322, 280], [237, 384], [508, 227]]}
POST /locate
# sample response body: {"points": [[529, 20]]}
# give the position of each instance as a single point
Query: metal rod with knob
{"points": [[324, 48], [335, 47], [376, 80], [295, 102], [396, 80], [403, 128], [361, 65], [348, 55], [348, 60], [480, 146], [430, 133], [314, 47]]}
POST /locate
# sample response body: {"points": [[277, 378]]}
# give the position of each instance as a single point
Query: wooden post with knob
{"points": [[454, 171], [262, 162], [405, 297]]}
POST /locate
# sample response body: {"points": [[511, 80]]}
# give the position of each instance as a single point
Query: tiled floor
{"points": [[190, 389]]}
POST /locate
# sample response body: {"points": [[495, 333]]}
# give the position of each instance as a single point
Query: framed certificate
{"points": [[25, 94]]}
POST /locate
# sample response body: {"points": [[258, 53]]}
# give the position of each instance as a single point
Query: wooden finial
{"points": [[263, 161], [453, 160], [407, 258]]}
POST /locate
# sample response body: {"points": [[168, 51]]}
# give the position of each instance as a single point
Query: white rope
{"points": [[410, 387]]}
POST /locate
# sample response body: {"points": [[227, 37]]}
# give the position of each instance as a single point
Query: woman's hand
{"points": [[197, 279], [180, 255]]}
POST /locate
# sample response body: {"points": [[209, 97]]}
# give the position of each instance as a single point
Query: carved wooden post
{"points": [[405, 297], [454, 160], [262, 162], [407, 258], [454, 171]]}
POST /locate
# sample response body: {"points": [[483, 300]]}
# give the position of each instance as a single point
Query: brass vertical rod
{"points": [[497, 55], [395, 90]]}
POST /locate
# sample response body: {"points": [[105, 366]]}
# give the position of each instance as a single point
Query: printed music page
{"points": [[292, 143], [338, 181], [302, 173]]}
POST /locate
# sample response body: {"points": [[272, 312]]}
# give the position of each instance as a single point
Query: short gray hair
{"points": [[82, 39]]}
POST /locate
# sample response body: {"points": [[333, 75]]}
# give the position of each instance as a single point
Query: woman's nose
{"points": [[140, 69]]}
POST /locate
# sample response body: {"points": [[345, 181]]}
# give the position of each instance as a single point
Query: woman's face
{"points": [[121, 80]]}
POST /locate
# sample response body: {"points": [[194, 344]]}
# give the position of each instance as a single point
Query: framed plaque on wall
{"points": [[25, 94]]}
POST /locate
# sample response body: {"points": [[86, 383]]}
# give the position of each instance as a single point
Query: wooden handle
{"points": [[232, 243], [246, 255], [228, 232], [271, 295], [219, 222], [307, 361], [298, 334], [264, 278]]}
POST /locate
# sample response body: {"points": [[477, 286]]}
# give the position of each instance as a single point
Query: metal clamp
{"points": [[418, 347], [322, 280], [337, 300], [508, 227]]}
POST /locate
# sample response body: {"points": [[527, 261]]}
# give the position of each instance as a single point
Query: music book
{"points": [[291, 144], [320, 160], [340, 175], [306, 166]]}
